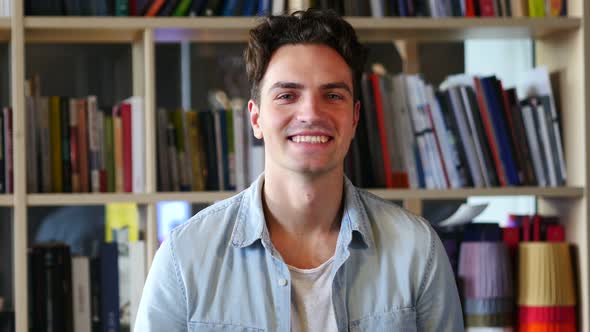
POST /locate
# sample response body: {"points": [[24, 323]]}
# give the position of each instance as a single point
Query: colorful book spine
{"points": [[55, 130]]}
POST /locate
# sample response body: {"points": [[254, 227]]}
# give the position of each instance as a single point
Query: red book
{"points": [[74, 157], [537, 220], [127, 147], [489, 131], [84, 166], [132, 5], [486, 8], [511, 236], [470, 8], [382, 131], [155, 8], [555, 233]]}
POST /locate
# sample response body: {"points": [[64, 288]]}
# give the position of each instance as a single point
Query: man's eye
{"points": [[285, 96], [334, 96]]}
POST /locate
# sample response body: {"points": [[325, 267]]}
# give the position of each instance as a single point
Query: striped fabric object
{"points": [[546, 294], [487, 284], [485, 270]]}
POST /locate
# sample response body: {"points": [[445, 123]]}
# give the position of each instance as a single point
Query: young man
{"points": [[302, 249]]}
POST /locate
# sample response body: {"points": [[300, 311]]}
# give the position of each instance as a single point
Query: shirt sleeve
{"points": [[163, 301], [438, 304]]}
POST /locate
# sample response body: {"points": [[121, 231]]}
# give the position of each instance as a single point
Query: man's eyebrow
{"points": [[299, 86], [285, 85], [336, 85]]}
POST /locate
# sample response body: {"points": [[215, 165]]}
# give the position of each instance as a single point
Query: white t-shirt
{"points": [[311, 299]]}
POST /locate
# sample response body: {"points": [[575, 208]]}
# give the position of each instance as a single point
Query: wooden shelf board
{"points": [[401, 194], [6, 200], [212, 196], [235, 29]]}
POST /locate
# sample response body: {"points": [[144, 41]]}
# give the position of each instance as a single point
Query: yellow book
{"points": [[122, 216], [536, 8], [55, 135]]}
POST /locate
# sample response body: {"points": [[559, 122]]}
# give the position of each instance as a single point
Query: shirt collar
{"points": [[250, 225]]}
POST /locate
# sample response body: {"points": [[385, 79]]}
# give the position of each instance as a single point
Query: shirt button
{"points": [[282, 282]]}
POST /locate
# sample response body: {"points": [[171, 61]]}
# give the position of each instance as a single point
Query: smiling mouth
{"points": [[313, 139]]}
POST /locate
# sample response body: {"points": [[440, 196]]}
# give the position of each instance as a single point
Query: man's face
{"points": [[306, 113]]}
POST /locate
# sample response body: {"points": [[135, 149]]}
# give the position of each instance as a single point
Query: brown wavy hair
{"points": [[311, 26]]}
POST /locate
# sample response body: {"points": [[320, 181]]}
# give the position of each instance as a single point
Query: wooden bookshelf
{"points": [[213, 196], [562, 44], [235, 29]]}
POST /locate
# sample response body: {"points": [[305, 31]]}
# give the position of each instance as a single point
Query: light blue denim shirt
{"points": [[221, 272]]}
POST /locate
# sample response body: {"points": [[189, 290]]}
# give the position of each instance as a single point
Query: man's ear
{"points": [[255, 118]]}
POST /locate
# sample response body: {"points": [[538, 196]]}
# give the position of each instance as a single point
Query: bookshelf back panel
{"points": [[81, 70]]}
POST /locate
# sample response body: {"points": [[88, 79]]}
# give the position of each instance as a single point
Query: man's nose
{"points": [[310, 110]]}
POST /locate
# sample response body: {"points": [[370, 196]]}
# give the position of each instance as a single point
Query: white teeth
{"points": [[310, 139]]}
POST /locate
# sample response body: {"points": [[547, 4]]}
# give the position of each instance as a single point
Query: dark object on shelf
{"points": [[7, 321]]}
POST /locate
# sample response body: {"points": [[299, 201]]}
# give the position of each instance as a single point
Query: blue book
{"points": [[109, 285], [230, 8], [263, 7], [499, 123], [250, 7]]}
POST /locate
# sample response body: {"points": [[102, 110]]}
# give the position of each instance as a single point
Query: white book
{"points": [[466, 138], [450, 157], [415, 109], [137, 255], [536, 83], [473, 129], [546, 143], [404, 128], [532, 139], [81, 294], [431, 139], [377, 8], [278, 7], [138, 142]]}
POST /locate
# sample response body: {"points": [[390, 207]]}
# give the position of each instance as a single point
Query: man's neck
{"points": [[303, 216]]}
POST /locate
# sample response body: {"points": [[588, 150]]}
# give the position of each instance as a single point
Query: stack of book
{"points": [[373, 8], [208, 149], [100, 292], [470, 133], [75, 146]]}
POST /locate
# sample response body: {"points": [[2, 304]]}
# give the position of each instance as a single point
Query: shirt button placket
{"points": [[283, 282]]}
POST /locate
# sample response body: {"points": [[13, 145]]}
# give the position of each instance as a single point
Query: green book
{"points": [[121, 7], [109, 151], [182, 8]]}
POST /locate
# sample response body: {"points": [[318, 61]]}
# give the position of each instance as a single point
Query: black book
{"points": [[51, 287], [65, 144], [210, 148]]}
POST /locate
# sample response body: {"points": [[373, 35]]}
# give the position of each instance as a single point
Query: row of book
{"points": [[74, 146], [373, 8], [95, 292], [470, 133], [208, 149]]}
